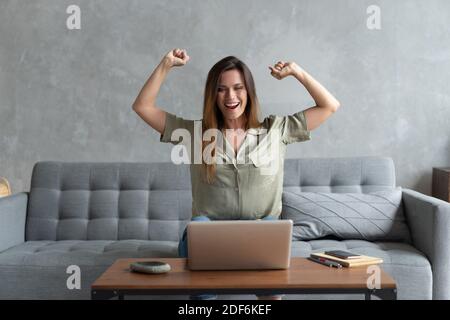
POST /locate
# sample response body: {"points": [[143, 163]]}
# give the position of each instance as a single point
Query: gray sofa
{"points": [[90, 214]]}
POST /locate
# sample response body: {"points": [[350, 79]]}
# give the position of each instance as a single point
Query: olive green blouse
{"points": [[248, 185]]}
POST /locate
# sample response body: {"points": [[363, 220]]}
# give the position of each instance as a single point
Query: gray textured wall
{"points": [[67, 94]]}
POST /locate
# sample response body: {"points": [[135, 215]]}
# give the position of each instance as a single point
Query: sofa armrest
{"points": [[13, 211], [429, 222]]}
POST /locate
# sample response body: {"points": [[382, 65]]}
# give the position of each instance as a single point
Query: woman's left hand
{"points": [[283, 69]]}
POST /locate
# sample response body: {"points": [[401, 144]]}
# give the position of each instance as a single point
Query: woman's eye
{"points": [[222, 89]]}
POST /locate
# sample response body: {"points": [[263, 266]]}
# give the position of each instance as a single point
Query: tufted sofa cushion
{"points": [[85, 253], [38, 269], [373, 216], [108, 201], [339, 175]]}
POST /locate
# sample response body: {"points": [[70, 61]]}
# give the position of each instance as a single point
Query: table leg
{"points": [[383, 294], [102, 294]]}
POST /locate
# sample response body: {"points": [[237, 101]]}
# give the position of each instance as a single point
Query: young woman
{"points": [[240, 171]]}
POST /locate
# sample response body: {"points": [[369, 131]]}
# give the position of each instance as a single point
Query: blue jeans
{"points": [[182, 245], [183, 249]]}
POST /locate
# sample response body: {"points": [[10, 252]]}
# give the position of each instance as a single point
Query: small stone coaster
{"points": [[150, 267]]}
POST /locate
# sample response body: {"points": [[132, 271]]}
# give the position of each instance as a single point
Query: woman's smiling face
{"points": [[231, 94]]}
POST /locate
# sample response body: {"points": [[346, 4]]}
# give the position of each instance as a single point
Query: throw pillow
{"points": [[370, 216]]}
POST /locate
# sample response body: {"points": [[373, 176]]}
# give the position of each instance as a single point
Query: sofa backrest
{"points": [[339, 175], [117, 201], [108, 201]]}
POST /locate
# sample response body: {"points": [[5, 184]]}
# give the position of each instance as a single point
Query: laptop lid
{"points": [[239, 244]]}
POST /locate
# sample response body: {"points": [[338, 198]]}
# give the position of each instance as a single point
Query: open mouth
{"points": [[232, 105]]}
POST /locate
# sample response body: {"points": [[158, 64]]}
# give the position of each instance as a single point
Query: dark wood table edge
{"points": [[106, 294]]}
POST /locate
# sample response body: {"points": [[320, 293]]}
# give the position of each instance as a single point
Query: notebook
{"points": [[357, 262]]}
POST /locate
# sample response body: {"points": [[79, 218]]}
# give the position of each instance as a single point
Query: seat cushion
{"points": [[407, 266], [38, 269], [84, 253]]}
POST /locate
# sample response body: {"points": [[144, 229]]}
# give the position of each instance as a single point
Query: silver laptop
{"points": [[239, 244]]}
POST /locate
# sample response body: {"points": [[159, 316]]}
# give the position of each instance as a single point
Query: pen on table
{"points": [[329, 263]]}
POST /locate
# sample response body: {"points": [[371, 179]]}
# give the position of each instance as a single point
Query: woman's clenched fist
{"points": [[176, 58]]}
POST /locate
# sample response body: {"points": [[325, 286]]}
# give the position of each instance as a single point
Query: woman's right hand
{"points": [[176, 58]]}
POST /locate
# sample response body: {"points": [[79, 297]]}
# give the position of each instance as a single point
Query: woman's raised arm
{"points": [[326, 103], [145, 103]]}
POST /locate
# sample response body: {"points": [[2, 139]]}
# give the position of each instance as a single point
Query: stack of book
{"points": [[341, 259]]}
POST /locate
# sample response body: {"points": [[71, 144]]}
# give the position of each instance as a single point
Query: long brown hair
{"points": [[212, 116]]}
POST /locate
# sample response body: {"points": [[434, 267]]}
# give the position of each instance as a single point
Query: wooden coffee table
{"points": [[303, 277]]}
